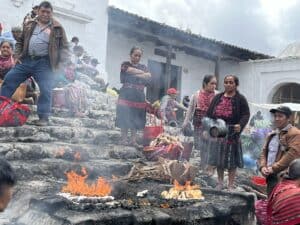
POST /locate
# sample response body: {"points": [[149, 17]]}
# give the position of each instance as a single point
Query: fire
{"points": [[77, 185], [77, 156], [165, 206], [186, 187], [183, 192]]}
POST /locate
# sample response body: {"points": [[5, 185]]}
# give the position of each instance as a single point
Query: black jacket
{"points": [[240, 109]]}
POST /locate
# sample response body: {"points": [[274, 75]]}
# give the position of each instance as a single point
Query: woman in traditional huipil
{"points": [[6, 59], [198, 107], [232, 107], [131, 106]]}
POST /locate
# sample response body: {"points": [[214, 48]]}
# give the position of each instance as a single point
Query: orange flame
{"points": [[165, 206], [77, 185], [77, 156], [186, 187]]}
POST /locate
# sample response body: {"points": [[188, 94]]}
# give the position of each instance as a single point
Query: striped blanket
{"points": [[284, 204]]}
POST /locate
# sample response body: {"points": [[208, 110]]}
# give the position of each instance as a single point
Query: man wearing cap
{"points": [[284, 202], [281, 147], [40, 51], [169, 105]]}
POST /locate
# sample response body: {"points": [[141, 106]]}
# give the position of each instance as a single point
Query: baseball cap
{"points": [[282, 109], [171, 91]]}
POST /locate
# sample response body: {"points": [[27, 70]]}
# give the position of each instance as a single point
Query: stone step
{"points": [[99, 119], [100, 123], [56, 168], [28, 133], [61, 150]]}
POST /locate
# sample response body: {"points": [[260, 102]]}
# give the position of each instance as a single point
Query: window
{"points": [[287, 93]]}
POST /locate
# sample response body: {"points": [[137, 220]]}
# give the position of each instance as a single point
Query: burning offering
{"points": [[183, 192], [166, 146], [77, 185], [83, 195], [166, 139]]}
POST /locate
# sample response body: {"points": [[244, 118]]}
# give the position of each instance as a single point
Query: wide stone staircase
{"points": [[42, 155]]}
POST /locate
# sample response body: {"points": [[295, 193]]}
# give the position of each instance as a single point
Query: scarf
{"points": [[6, 63], [204, 100]]}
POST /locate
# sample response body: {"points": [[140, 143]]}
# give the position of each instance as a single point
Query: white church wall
{"points": [[193, 68], [13, 12], [264, 77]]}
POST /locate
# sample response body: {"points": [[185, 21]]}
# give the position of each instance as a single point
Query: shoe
{"points": [[41, 122]]}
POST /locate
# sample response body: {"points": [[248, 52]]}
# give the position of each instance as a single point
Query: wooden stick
{"points": [[250, 189]]}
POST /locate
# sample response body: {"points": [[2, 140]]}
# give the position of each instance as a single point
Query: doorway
{"points": [[289, 92], [159, 84]]}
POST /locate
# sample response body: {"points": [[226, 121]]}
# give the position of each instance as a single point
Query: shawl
{"points": [[6, 63], [204, 100], [284, 204]]}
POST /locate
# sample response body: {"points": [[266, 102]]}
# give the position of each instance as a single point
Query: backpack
{"points": [[12, 113]]}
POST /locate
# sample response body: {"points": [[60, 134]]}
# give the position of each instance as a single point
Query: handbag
{"points": [[12, 113], [20, 92]]}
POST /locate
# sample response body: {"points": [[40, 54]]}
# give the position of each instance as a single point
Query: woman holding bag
{"points": [[131, 105], [226, 153], [197, 109]]}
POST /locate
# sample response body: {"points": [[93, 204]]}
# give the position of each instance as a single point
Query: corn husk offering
{"points": [[183, 192], [166, 139]]}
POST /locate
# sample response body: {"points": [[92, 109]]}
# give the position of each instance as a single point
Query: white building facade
{"points": [[108, 34], [271, 81], [194, 56]]}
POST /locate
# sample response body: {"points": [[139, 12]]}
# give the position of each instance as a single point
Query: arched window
{"points": [[289, 92]]}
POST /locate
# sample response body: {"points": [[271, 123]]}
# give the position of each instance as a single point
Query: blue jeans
{"points": [[40, 70]]}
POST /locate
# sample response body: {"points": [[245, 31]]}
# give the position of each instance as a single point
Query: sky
{"points": [[266, 26]]}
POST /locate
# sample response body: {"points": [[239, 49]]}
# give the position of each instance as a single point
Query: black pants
{"points": [[272, 180]]}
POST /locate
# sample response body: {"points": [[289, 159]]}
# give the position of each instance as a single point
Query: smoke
{"points": [[259, 25]]}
